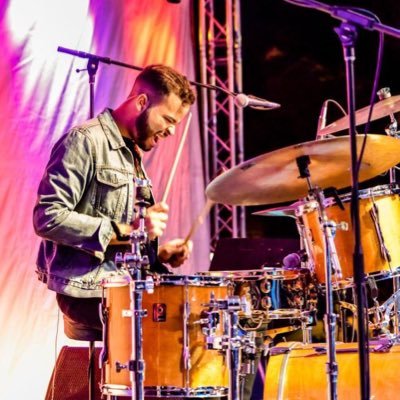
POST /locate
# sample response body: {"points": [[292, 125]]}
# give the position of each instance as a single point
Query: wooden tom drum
{"points": [[380, 231], [298, 371], [177, 362]]}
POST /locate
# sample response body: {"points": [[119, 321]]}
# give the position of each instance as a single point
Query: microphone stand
{"points": [[348, 34], [241, 100]]}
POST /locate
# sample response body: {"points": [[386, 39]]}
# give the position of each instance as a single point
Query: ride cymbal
{"points": [[274, 177], [381, 109]]}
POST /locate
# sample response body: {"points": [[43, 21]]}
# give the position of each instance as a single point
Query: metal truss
{"points": [[222, 122]]}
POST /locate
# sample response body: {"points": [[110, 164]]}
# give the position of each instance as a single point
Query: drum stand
{"points": [[231, 342], [331, 263], [135, 262]]}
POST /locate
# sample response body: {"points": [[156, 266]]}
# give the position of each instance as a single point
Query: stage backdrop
{"points": [[41, 96]]}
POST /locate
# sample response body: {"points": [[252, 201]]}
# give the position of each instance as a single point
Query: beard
{"points": [[143, 131]]}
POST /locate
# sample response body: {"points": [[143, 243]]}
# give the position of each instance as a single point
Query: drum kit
{"points": [[194, 336]]}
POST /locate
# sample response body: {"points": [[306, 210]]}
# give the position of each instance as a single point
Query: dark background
{"points": [[292, 55]]}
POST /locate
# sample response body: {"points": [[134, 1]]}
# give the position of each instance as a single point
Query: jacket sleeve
{"points": [[67, 176]]}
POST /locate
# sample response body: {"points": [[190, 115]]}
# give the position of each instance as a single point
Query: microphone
{"points": [[242, 101], [322, 116], [293, 260]]}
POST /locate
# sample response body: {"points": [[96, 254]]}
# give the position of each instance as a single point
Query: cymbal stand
{"points": [[137, 263], [328, 228]]}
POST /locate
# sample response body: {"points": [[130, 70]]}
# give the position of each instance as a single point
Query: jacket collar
{"points": [[111, 129]]}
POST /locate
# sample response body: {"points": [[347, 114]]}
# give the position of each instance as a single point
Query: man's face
{"points": [[158, 121]]}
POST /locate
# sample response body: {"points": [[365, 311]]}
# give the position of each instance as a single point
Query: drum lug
{"points": [[128, 313], [119, 367], [132, 366]]}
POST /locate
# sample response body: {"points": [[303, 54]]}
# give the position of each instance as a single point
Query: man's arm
{"points": [[67, 175]]}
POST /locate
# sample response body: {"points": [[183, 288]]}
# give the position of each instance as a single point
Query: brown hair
{"points": [[162, 81]]}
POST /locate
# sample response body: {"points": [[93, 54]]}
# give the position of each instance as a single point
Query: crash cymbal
{"points": [[382, 108], [285, 211], [274, 177]]}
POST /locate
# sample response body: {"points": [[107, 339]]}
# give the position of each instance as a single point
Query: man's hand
{"points": [[155, 223], [156, 220], [175, 252]]}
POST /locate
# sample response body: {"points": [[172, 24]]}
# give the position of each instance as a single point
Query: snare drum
{"points": [[177, 362], [298, 371], [380, 231]]}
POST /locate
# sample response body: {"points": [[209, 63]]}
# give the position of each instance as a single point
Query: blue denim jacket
{"points": [[87, 182]]}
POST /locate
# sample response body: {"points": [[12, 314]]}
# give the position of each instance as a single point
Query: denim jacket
{"points": [[87, 182]]}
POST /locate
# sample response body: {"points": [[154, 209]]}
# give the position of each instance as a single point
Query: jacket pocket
{"points": [[111, 191]]}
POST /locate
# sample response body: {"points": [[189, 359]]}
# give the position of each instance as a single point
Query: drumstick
{"points": [[178, 155], [199, 220]]}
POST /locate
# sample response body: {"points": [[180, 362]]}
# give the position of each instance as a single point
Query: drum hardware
{"points": [[249, 349], [375, 217], [383, 316], [233, 342], [391, 129], [134, 262], [331, 264]]}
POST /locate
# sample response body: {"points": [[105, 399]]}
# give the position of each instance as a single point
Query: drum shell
{"points": [[301, 373], [388, 206], [163, 342]]}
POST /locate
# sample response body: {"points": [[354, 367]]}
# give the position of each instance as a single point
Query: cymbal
{"points": [[382, 108], [274, 177], [284, 211]]}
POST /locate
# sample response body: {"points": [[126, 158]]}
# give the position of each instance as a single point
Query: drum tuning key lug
{"points": [[119, 366], [334, 226], [129, 313], [343, 226]]}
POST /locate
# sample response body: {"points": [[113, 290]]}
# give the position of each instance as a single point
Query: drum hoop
{"points": [[198, 392], [250, 275], [116, 281], [376, 191], [190, 280], [284, 366], [168, 391]]}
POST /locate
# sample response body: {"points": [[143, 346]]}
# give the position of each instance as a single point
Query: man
{"points": [[86, 198]]}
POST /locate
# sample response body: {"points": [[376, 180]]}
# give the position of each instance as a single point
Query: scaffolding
{"points": [[222, 122]]}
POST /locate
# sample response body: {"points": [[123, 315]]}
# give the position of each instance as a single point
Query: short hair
{"points": [[162, 81]]}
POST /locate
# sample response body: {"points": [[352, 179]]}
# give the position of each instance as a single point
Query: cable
{"points": [[374, 87]]}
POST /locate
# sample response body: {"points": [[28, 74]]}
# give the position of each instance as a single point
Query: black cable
{"points": [[374, 86]]}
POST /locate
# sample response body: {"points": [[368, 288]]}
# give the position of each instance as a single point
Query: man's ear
{"points": [[142, 102]]}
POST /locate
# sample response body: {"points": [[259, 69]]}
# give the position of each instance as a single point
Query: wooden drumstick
{"points": [[199, 220], [178, 155]]}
